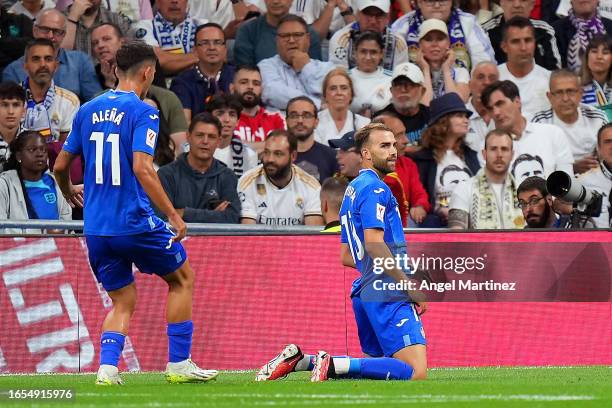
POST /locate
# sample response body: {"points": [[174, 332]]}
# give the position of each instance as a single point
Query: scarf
{"points": [[585, 30], [437, 82], [164, 32], [484, 211], [37, 114], [455, 31], [389, 41]]}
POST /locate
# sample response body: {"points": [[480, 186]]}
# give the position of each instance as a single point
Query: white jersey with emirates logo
{"points": [[267, 204]]}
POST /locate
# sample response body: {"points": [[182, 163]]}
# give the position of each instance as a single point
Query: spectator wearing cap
{"points": [[445, 159], [347, 156], [468, 40], [437, 61], [171, 33], [337, 119], [210, 76], [292, 72], [75, 70], [546, 53], [407, 90], [372, 15], [256, 39], [314, 158]]}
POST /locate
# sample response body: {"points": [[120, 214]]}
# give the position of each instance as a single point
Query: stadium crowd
{"points": [[259, 100]]}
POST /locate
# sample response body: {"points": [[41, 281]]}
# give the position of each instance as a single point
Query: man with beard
{"points": [[82, 15], [348, 158], [313, 157], [255, 121], [406, 92], [277, 192], [231, 151], [488, 200], [537, 204], [210, 76]]}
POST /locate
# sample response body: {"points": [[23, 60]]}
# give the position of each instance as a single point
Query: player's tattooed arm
{"points": [[458, 219]]}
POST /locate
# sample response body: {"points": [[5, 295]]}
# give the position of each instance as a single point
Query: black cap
{"points": [[345, 142], [445, 104]]}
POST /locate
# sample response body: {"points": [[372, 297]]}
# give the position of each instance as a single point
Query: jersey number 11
{"points": [[113, 139]]}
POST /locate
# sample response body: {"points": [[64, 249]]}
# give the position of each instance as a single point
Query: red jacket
{"points": [[256, 128], [414, 194]]}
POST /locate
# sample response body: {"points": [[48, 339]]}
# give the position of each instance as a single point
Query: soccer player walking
{"points": [[389, 327], [116, 133]]}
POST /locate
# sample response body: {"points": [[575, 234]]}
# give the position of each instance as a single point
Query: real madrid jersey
{"points": [[267, 204]]}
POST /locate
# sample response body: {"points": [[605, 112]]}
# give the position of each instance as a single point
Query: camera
{"points": [[587, 203]]}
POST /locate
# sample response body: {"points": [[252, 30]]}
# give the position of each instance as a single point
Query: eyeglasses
{"points": [[569, 92], [531, 203], [46, 30], [208, 43], [303, 115], [287, 36], [432, 3]]}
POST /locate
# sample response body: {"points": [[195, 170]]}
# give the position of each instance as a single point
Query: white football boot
{"points": [[187, 371], [108, 375]]}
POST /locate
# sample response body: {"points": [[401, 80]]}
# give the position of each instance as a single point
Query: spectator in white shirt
{"points": [[548, 142], [337, 119], [518, 42], [579, 122], [481, 123]]}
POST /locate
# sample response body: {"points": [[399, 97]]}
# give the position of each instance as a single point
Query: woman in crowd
{"points": [[371, 82], [437, 61], [596, 71], [337, 120], [27, 189], [445, 159]]}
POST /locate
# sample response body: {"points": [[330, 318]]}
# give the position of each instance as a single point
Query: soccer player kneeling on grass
{"points": [[389, 327], [116, 134]]}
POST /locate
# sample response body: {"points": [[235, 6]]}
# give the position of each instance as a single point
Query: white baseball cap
{"points": [[410, 71], [384, 5], [432, 24]]}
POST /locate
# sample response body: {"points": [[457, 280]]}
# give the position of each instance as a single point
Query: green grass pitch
{"points": [[463, 387]]}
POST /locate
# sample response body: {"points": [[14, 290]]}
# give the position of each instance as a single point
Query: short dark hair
{"points": [[12, 90], [454, 167], [517, 22], [131, 55], [224, 101], [114, 26], [334, 188], [506, 87], [205, 117], [293, 18], [526, 157], [599, 132], [209, 25], [498, 132], [248, 68], [362, 136], [302, 98], [370, 36], [533, 183], [292, 140], [17, 145], [37, 42]]}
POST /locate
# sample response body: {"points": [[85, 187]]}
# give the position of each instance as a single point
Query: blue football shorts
{"points": [[385, 328], [111, 258]]}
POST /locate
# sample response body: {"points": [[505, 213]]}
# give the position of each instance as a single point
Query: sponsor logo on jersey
{"points": [[401, 323], [379, 190], [151, 136], [380, 212]]}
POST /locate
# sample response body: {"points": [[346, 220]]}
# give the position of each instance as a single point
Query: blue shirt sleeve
{"points": [[372, 207], [90, 86], [74, 141], [145, 131]]}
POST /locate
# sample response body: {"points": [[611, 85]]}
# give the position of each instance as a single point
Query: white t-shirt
{"points": [[135, 10], [461, 199], [372, 90], [309, 10], [595, 179], [237, 156], [57, 119], [477, 132], [451, 171], [605, 8], [542, 149], [532, 88], [208, 11], [18, 8], [582, 134], [269, 205], [327, 127]]}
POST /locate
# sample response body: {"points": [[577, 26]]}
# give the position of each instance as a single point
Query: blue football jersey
{"points": [[107, 131], [369, 203]]}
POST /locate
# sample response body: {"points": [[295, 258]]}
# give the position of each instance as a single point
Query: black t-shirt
{"points": [[415, 125], [320, 161]]}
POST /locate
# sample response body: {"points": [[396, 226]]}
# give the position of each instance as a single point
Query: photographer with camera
{"points": [[537, 204], [599, 179]]}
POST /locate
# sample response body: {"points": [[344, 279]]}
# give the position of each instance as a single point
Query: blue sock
{"points": [[111, 345], [179, 341], [385, 368]]}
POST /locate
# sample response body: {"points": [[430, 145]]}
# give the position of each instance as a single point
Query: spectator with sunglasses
{"points": [[211, 75]]}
